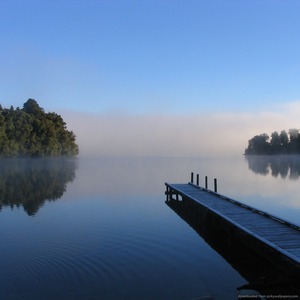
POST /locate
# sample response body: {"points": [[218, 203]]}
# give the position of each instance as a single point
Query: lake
{"points": [[99, 228]]}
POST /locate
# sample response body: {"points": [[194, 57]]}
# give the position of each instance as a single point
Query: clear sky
{"points": [[165, 57]]}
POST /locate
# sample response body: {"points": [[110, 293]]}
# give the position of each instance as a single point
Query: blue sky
{"points": [[141, 57], [131, 76]]}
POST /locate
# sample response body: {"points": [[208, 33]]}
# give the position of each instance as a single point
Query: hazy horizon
{"points": [[121, 134]]}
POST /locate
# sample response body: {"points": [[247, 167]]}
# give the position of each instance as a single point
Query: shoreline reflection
{"points": [[285, 166], [31, 182]]}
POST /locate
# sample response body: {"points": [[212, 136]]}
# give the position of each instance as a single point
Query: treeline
{"points": [[279, 143], [32, 132]]}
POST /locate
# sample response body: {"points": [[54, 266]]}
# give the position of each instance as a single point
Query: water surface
{"points": [[100, 228]]}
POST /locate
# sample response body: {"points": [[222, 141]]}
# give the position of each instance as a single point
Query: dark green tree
{"points": [[275, 143], [258, 145], [31, 107], [284, 141], [294, 141], [32, 132]]}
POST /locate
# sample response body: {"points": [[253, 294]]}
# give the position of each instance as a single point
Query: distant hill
{"points": [[30, 132], [283, 143]]}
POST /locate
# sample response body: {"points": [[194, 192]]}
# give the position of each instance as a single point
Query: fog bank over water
{"points": [[116, 134]]}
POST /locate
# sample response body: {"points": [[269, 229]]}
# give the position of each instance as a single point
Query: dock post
{"points": [[192, 177], [215, 184], [197, 179], [206, 182], [168, 194]]}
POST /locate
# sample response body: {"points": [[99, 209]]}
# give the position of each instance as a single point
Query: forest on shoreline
{"points": [[30, 132], [278, 143]]}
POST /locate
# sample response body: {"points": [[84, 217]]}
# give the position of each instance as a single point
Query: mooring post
{"points": [[215, 183], [167, 193], [206, 182], [197, 179], [192, 177]]}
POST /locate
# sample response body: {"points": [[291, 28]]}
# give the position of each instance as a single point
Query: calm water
{"points": [[100, 228]]}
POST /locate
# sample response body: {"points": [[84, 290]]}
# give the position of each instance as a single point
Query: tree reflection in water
{"points": [[31, 182], [276, 165]]}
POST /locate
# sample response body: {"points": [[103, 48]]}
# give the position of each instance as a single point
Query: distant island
{"points": [[283, 143], [30, 132]]}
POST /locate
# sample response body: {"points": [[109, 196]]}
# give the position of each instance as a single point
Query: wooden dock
{"points": [[272, 238]]}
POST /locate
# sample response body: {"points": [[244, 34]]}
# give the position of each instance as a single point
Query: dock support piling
{"points": [[215, 185], [197, 179], [206, 182], [168, 192], [192, 177]]}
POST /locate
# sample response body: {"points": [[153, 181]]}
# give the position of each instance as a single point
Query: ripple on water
{"points": [[113, 257], [106, 261]]}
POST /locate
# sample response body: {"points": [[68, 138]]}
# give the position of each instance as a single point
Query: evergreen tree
{"points": [[259, 145], [282, 143], [31, 107], [275, 143], [294, 141], [284, 140], [32, 132]]}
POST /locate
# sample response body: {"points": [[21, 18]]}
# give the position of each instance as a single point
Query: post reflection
{"points": [[283, 166], [30, 182], [263, 278]]}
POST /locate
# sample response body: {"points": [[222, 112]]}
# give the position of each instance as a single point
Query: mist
{"points": [[222, 134]]}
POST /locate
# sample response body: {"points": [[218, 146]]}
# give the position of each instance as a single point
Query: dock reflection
{"points": [[30, 182], [263, 278]]}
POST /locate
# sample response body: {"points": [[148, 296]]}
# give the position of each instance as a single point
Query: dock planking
{"points": [[274, 238]]}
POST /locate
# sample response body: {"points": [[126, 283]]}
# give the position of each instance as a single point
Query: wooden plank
{"points": [[283, 236]]}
